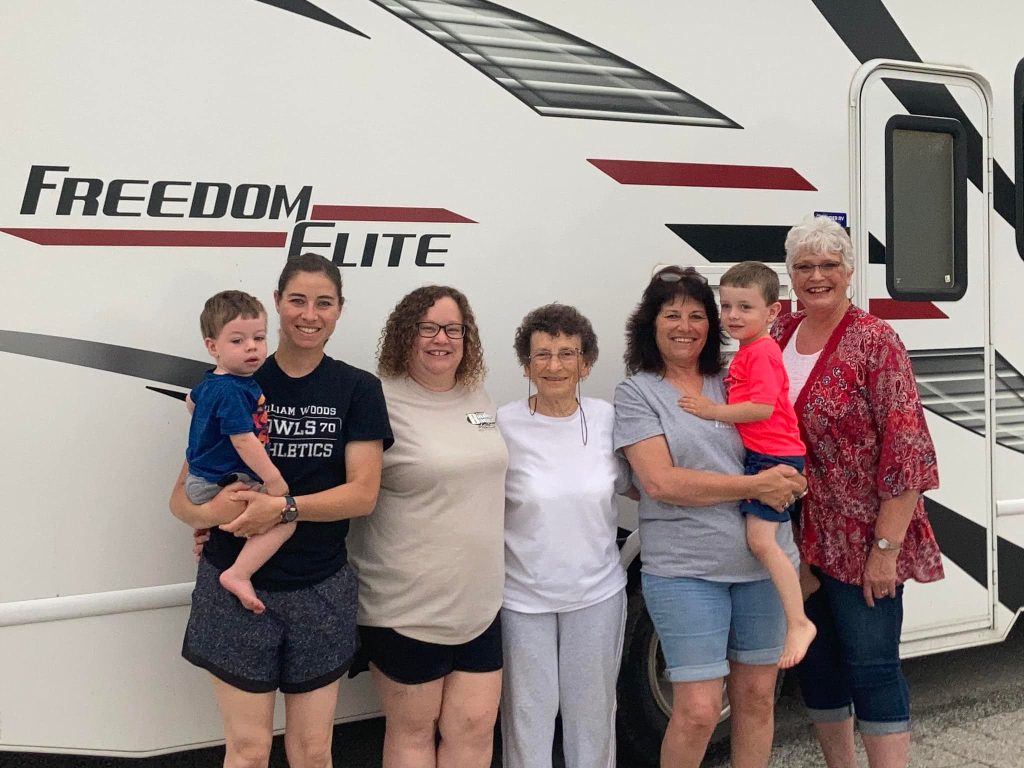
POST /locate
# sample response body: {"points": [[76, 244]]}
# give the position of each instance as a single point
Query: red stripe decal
{"points": [[890, 309], [381, 213], [703, 175], [151, 237]]}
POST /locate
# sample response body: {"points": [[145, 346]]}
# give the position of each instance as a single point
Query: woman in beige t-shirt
{"points": [[430, 559]]}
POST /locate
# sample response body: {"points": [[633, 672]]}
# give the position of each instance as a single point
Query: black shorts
{"points": [[412, 662], [305, 640]]}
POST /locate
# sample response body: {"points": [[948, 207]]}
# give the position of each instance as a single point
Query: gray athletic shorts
{"points": [[200, 490], [305, 640]]}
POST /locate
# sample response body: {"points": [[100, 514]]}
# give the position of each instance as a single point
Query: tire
{"points": [[645, 695]]}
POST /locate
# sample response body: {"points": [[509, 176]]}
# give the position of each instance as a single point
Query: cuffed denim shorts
{"points": [[703, 625], [853, 665]]}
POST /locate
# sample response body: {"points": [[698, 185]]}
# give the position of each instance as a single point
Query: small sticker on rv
{"points": [[839, 217]]}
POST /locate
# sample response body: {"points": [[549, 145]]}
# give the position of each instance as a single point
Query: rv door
{"points": [[920, 176]]}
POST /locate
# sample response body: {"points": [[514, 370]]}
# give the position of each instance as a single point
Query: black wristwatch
{"points": [[290, 511]]}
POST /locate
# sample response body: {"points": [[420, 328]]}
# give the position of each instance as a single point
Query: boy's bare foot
{"points": [[809, 583], [798, 639], [242, 588]]}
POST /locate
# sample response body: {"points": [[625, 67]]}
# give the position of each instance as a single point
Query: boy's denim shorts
{"points": [[755, 462], [703, 625], [305, 640]]}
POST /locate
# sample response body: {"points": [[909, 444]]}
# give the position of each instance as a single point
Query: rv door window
{"points": [[926, 208]]}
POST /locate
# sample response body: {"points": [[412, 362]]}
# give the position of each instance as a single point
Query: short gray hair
{"points": [[819, 235]]}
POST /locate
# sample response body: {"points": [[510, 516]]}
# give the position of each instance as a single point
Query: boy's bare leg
{"points": [[257, 550], [800, 630]]}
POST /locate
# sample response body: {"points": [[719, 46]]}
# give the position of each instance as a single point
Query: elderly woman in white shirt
{"points": [[564, 608]]}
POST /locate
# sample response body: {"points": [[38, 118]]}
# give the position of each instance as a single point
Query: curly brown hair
{"points": [[556, 320], [394, 348]]}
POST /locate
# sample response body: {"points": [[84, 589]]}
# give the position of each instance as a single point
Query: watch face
{"points": [[290, 512]]}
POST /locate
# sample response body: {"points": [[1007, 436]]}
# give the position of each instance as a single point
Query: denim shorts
{"points": [[303, 641], [755, 462], [853, 665], [703, 625]]}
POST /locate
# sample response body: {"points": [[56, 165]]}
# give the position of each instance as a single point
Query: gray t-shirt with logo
{"points": [[699, 542]]}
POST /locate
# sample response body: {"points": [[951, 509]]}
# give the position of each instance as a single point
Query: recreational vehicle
{"points": [[526, 151]]}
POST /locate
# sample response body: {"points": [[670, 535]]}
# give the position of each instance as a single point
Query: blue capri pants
{"points": [[853, 665]]}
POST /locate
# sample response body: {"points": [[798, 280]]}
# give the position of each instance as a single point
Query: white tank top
{"points": [[798, 366]]}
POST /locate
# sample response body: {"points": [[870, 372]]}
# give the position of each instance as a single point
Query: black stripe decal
{"points": [[310, 11], [1004, 195], [127, 361], [870, 32], [169, 392], [960, 539], [1011, 574], [726, 243], [868, 29], [963, 542], [876, 250]]}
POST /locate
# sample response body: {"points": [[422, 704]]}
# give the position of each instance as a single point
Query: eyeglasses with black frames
{"points": [[429, 330]]}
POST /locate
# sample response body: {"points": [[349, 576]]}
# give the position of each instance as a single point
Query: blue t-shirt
{"points": [[225, 405]]}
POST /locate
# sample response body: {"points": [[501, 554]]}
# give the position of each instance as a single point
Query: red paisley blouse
{"points": [[867, 440]]}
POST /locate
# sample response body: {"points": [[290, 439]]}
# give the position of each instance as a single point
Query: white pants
{"points": [[561, 661]]}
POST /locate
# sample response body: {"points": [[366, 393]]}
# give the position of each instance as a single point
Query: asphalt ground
{"points": [[968, 712]]}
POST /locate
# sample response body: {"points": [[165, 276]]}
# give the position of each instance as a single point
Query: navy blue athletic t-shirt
{"points": [[312, 419]]}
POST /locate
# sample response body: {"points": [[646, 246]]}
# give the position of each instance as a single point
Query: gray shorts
{"points": [[305, 640], [200, 490]]}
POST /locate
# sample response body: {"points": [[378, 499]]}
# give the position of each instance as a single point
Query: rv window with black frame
{"points": [[926, 208]]}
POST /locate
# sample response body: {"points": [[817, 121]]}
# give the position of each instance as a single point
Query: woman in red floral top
{"points": [[863, 531]]}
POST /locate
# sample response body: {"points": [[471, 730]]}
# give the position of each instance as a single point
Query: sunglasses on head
{"points": [[677, 274]]}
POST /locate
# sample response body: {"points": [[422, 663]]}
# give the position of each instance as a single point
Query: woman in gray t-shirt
{"points": [[711, 601]]}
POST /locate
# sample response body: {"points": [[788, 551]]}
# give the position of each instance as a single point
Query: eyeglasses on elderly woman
{"points": [[806, 269], [565, 356]]}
